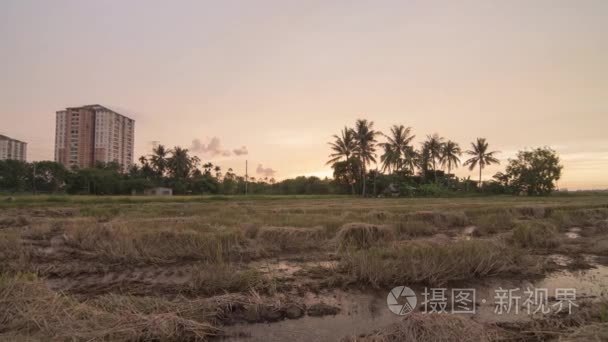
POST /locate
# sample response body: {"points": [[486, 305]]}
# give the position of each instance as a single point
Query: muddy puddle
{"points": [[590, 284], [359, 313], [365, 312]]}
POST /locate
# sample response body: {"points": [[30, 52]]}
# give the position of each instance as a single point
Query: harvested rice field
{"points": [[303, 268]]}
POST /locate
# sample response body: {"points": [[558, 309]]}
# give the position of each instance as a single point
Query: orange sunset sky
{"points": [[280, 77]]}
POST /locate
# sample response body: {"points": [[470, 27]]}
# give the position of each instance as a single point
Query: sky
{"points": [[270, 81]]}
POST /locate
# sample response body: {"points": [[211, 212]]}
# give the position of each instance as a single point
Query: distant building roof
{"points": [[4, 137], [99, 107]]}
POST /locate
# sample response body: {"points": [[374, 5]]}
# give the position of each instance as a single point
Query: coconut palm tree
{"points": [[365, 136], [218, 172], [390, 159], [159, 160], [396, 147], [207, 168], [343, 147], [410, 158], [433, 147], [480, 156], [181, 164], [450, 154]]}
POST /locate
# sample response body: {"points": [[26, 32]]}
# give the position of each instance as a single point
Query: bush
{"points": [[432, 190]]}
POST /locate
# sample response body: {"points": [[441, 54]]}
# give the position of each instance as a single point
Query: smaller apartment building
{"points": [[12, 149]]}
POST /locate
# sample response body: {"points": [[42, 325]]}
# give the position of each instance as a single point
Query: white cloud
{"points": [[265, 171]]}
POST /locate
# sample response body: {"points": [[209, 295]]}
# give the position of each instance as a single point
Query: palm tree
{"points": [[390, 159], [218, 172], [181, 164], [481, 156], [396, 147], [343, 147], [365, 136], [433, 146], [158, 160], [207, 167], [450, 155], [146, 170], [410, 158]]}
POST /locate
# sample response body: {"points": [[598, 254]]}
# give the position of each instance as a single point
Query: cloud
{"points": [[265, 171], [213, 148], [240, 151]]}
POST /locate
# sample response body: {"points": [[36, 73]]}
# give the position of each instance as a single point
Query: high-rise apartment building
{"points": [[88, 134], [12, 149]]}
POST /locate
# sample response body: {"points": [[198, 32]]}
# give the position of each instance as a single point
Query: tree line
{"points": [[405, 169], [175, 168], [361, 165]]}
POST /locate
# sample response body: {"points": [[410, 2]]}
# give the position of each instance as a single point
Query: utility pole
{"points": [[246, 177]]}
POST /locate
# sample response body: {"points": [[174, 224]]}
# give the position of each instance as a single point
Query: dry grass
{"points": [[444, 219], [599, 246], [14, 257], [435, 264], [418, 327], [30, 309], [536, 234], [411, 227], [18, 221], [217, 278], [200, 247], [291, 239], [115, 242], [567, 218], [593, 332], [363, 235], [536, 212], [493, 223]]}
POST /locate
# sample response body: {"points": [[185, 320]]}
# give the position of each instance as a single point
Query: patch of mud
{"points": [[364, 312], [359, 313], [559, 259], [19, 221], [590, 284], [139, 281], [290, 268]]}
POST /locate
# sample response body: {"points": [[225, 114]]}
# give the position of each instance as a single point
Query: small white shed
{"points": [[159, 191]]}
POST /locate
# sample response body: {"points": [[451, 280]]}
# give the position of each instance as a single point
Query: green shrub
{"points": [[432, 190]]}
